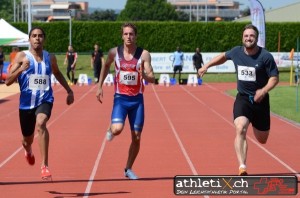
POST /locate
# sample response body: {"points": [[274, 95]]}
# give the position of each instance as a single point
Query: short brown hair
{"points": [[131, 25], [253, 27]]}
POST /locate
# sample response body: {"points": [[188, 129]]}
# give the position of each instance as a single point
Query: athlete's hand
{"points": [[259, 95], [24, 64], [202, 71], [70, 98], [99, 95]]}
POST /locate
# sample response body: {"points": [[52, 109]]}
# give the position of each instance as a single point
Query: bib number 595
{"points": [[129, 77]]}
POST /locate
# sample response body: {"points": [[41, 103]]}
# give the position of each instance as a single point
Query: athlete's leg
{"points": [[41, 121], [134, 148], [116, 128], [118, 115], [261, 136], [43, 114], [262, 121], [240, 143], [27, 122], [136, 120], [27, 142]]}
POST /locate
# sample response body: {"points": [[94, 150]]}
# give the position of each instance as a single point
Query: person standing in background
{"points": [[197, 60], [97, 60], [71, 59], [177, 63], [13, 54]]}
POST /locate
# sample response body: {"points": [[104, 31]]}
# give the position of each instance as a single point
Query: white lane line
{"points": [[96, 165], [189, 161], [176, 134], [251, 139]]}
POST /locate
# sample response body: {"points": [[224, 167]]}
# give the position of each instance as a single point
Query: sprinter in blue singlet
{"points": [[33, 69]]}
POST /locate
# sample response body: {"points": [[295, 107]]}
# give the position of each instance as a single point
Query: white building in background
{"points": [[208, 10], [46, 10]]}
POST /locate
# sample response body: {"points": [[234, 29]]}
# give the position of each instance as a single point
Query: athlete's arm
{"points": [[20, 64], [61, 79], [102, 60], [147, 71], [104, 71], [215, 61], [260, 93]]}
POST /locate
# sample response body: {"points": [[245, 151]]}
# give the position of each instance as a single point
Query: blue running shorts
{"points": [[133, 106]]}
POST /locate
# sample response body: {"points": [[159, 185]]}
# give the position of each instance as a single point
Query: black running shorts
{"points": [[28, 117], [257, 113]]}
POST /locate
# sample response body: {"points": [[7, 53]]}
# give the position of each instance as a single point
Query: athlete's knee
{"points": [[136, 137], [241, 125], [41, 121], [116, 129], [240, 129]]}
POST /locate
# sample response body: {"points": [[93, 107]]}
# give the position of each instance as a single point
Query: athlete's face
{"points": [[249, 39], [128, 36], [37, 39]]}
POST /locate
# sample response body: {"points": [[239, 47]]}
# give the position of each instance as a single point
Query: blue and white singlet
{"points": [[35, 82]]}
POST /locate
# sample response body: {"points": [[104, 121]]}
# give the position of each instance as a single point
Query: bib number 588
{"points": [[40, 81]]}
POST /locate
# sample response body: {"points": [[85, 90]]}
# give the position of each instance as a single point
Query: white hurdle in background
{"points": [[109, 80], [164, 79], [192, 80], [82, 79]]}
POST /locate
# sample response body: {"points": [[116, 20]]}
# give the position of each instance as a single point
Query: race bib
{"points": [[38, 82], [128, 78], [246, 73]]}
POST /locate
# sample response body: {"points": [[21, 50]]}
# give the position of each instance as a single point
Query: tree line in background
{"points": [[162, 36], [135, 10]]}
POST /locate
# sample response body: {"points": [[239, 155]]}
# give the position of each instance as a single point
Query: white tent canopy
{"points": [[11, 36]]}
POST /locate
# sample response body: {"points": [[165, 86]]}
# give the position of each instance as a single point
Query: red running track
{"points": [[188, 131]]}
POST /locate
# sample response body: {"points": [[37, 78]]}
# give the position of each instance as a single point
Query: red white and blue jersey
{"points": [[128, 80], [35, 82]]}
